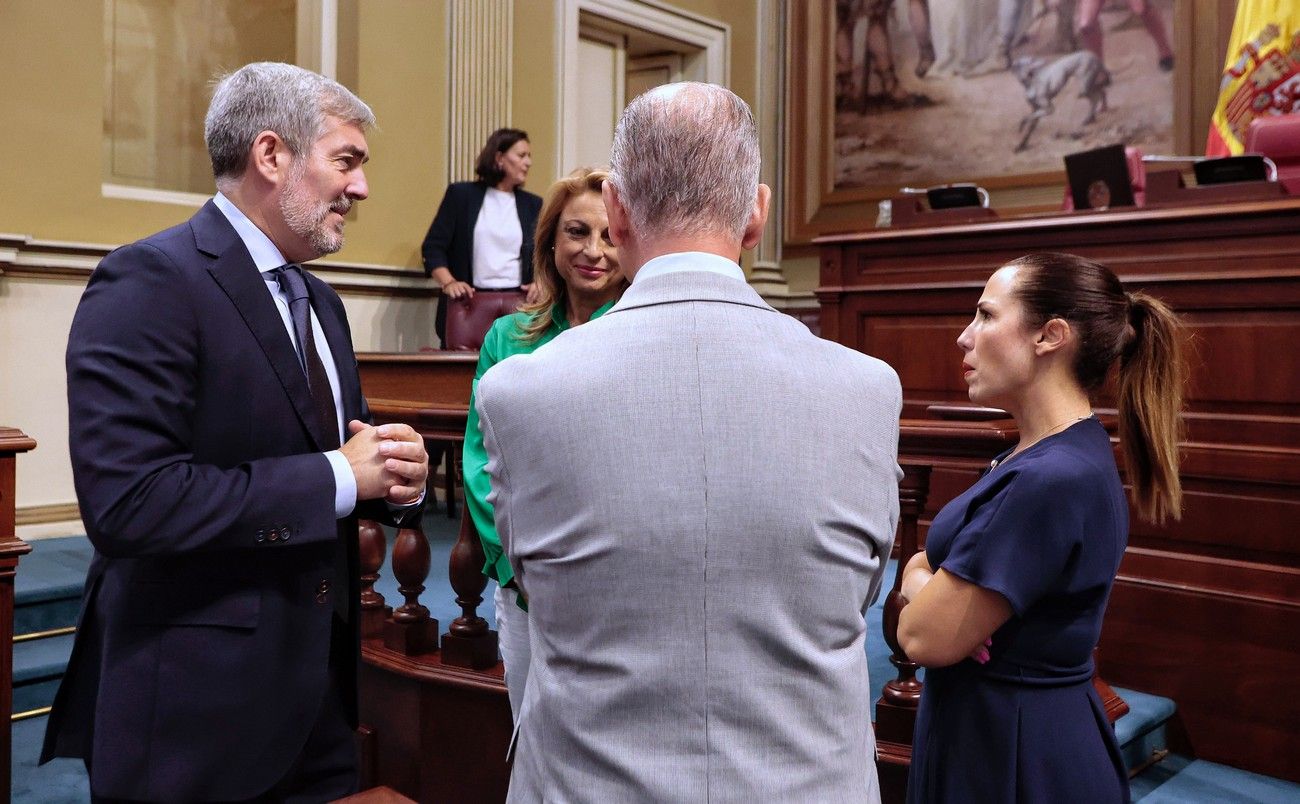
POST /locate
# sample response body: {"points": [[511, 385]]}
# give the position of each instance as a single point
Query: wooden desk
{"points": [[1206, 610], [430, 391]]}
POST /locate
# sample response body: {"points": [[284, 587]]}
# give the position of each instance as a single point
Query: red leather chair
{"points": [[468, 321], [1278, 138]]}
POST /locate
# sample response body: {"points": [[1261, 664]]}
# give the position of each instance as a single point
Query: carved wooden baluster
{"points": [[468, 641], [896, 709], [373, 545], [409, 629]]}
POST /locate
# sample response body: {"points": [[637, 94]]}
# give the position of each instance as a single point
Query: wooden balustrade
{"points": [[437, 717], [435, 712], [12, 443]]}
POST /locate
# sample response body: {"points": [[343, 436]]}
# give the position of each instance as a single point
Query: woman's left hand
{"points": [[981, 652], [532, 292]]}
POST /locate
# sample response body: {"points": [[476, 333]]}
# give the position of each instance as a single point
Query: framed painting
{"points": [[883, 94]]}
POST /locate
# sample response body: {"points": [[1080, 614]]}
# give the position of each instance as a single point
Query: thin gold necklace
{"points": [[995, 463]]}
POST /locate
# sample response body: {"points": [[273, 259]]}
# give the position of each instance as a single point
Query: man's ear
{"points": [[1055, 335], [269, 156], [616, 212], [757, 217]]}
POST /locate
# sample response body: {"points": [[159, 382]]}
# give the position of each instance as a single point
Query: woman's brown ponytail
{"points": [[1151, 377]]}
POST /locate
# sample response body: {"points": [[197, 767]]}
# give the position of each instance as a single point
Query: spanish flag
{"points": [[1261, 75]]}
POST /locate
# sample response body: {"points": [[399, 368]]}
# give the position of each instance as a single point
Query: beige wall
{"points": [[394, 54], [391, 52]]}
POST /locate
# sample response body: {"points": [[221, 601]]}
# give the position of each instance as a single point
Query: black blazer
{"points": [[450, 241], [202, 655]]}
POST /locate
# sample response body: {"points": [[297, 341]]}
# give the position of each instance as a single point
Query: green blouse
{"points": [[501, 341]]}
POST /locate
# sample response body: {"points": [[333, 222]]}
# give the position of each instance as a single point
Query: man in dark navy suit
{"points": [[221, 458]]}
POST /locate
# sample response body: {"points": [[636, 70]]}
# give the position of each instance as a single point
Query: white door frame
{"points": [[710, 36]]}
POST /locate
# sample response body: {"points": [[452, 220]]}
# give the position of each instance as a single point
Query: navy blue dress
{"points": [[1046, 530]]}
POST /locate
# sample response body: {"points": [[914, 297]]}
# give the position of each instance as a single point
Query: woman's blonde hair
{"points": [[1145, 337], [551, 289]]}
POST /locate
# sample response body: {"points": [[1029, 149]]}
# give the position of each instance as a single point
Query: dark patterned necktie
{"points": [[322, 398]]}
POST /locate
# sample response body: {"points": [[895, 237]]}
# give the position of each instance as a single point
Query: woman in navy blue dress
{"points": [[1006, 601]]}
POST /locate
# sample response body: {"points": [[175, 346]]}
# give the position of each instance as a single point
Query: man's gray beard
{"points": [[306, 218]]}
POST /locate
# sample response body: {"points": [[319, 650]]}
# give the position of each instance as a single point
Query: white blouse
{"points": [[497, 239]]}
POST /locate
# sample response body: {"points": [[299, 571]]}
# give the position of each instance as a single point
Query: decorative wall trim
{"points": [[711, 36], [480, 41], [128, 193], [766, 276], [24, 257], [41, 514]]}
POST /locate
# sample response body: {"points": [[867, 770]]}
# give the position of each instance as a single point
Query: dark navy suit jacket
{"points": [[202, 657], [450, 241]]}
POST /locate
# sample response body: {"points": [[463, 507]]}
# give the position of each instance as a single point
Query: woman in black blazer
{"points": [[505, 260]]}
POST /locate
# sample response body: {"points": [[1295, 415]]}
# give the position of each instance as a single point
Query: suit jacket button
{"points": [[284, 533], [261, 536]]}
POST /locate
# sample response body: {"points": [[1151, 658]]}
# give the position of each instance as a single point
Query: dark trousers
{"points": [[325, 770]]}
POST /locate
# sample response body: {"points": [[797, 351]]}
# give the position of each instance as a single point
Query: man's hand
{"points": [[388, 461]]}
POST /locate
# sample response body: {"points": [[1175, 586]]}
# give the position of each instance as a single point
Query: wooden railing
{"points": [[435, 716], [12, 442], [435, 712]]}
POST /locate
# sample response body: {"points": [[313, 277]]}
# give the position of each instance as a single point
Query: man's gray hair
{"points": [[685, 161], [270, 96]]}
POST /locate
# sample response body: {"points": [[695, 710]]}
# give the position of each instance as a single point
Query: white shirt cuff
{"points": [[345, 484]]}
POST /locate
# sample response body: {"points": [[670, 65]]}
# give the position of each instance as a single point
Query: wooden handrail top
{"points": [[1057, 220], [965, 413], [920, 439], [14, 440], [418, 357], [429, 667]]}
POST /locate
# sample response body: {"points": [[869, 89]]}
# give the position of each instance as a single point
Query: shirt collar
{"points": [[689, 261], [264, 253]]}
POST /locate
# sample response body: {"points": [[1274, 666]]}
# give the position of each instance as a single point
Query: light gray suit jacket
{"points": [[697, 495]]}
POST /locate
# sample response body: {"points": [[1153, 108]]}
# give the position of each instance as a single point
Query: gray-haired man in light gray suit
{"points": [[697, 497]]}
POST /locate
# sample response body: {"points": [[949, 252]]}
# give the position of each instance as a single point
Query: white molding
{"points": [[713, 37], [480, 48], [318, 46], [177, 197], [22, 256]]}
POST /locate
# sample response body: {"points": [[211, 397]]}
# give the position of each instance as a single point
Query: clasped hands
{"points": [[388, 461]]}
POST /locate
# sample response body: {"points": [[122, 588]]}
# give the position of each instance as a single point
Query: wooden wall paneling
{"points": [[1233, 563]]}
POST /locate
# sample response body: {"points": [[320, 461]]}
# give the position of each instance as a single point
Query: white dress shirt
{"points": [[689, 261], [267, 258]]}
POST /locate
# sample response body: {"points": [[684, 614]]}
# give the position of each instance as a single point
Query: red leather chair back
{"points": [[1278, 138], [468, 320]]}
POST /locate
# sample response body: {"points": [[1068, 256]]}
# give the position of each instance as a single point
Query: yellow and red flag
{"points": [[1261, 75]]}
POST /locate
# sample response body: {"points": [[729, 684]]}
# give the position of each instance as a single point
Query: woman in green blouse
{"points": [[575, 268]]}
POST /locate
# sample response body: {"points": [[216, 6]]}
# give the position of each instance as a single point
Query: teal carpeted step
{"points": [[1141, 732], [38, 666], [47, 590], [1202, 781], [61, 780]]}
